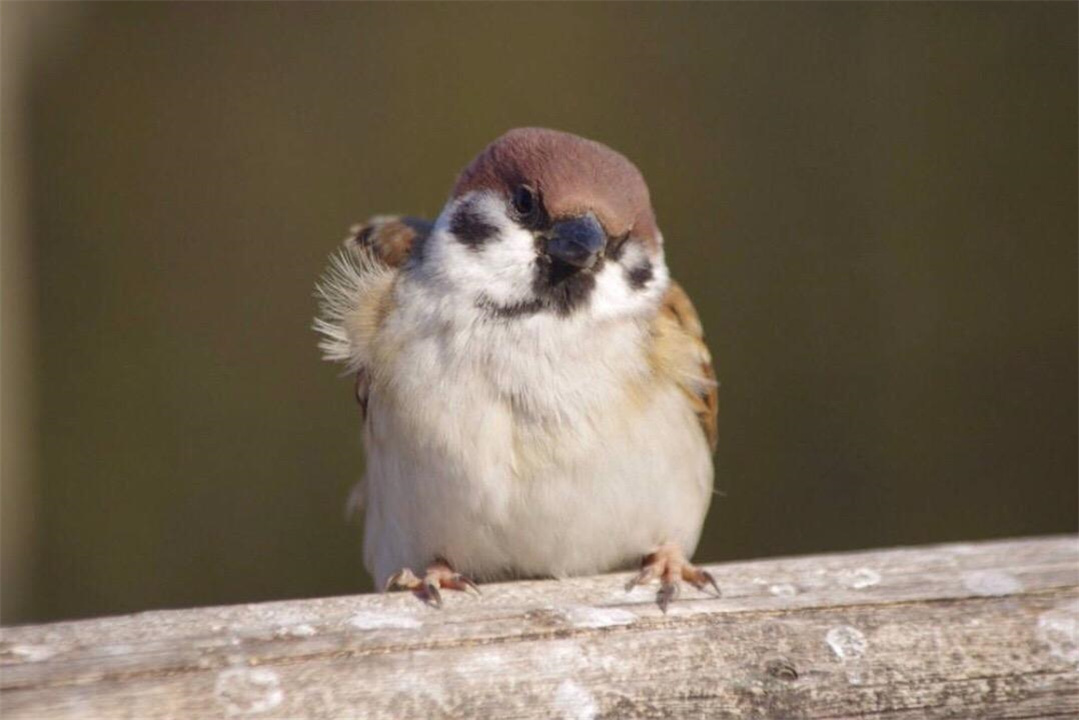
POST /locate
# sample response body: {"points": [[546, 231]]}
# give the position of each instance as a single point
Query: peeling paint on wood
{"points": [[976, 630]]}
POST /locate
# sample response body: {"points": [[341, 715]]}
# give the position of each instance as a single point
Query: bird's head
{"points": [[545, 222]]}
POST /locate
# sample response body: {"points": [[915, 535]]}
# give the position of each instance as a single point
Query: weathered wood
{"points": [[973, 630]]}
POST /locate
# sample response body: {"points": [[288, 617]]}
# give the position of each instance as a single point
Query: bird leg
{"points": [[438, 575], [669, 565]]}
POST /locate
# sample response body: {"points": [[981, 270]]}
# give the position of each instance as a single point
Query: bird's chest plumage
{"points": [[517, 451]]}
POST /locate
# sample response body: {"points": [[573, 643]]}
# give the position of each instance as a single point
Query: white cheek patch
{"points": [[500, 269], [615, 293], [634, 256]]}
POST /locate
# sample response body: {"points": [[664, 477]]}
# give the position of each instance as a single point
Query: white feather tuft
{"points": [[348, 291]]}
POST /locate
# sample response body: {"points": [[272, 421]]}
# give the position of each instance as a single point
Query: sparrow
{"points": [[536, 396]]}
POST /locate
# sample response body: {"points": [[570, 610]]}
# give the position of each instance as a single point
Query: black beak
{"points": [[577, 241]]}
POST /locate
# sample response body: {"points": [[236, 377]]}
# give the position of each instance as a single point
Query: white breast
{"points": [[540, 446]]}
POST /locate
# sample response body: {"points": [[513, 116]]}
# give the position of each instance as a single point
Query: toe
{"points": [[700, 579], [457, 581], [403, 579]]}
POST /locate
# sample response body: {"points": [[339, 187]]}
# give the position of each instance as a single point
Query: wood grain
{"points": [[967, 630]]}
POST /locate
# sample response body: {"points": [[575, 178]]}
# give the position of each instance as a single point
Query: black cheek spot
{"points": [[470, 227], [640, 276]]}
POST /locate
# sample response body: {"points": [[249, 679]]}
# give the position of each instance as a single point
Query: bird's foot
{"points": [[668, 564], [438, 576]]}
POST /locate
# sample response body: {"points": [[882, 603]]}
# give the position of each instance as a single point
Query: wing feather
{"points": [[354, 295], [679, 352], [355, 290]]}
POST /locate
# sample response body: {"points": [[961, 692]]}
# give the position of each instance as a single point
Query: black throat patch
{"points": [[556, 287], [563, 288]]}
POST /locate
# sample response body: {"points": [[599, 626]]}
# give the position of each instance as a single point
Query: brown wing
{"points": [[391, 239], [682, 355]]}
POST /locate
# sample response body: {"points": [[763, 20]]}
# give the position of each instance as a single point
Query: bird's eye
{"points": [[524, 201]]}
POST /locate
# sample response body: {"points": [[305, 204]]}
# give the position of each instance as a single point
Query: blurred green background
{"points": [[873, 206]]}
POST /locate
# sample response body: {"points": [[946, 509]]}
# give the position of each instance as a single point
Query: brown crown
{"points": [[573, 175]]}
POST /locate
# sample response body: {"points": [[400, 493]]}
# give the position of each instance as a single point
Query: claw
{"points": [[712, 581], [463, 582], [668, 592], [647, 574], [430, 587], [701, 579]]}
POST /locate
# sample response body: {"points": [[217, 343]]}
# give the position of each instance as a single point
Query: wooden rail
{"points": [[984, 630]]}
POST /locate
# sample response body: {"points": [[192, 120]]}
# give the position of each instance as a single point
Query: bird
{"points": [[536, 396]]}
